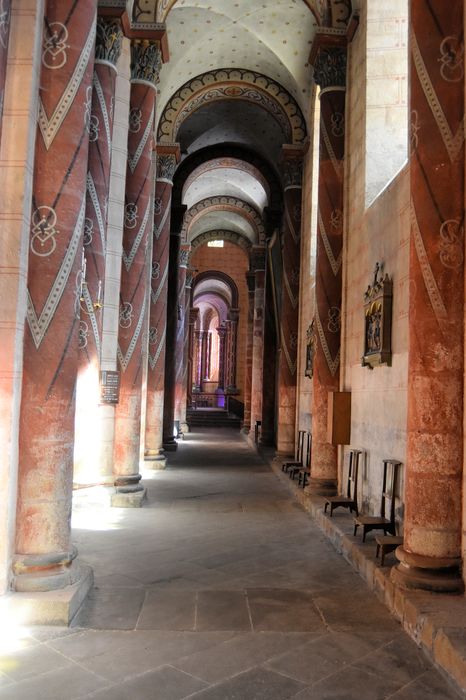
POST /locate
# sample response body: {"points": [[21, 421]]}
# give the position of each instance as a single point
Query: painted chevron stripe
{"points": [[153, 359], [129, 259], [126, 359], [50, 127], [155, 295], [96, 204], [335, 263], [103, 108], [39, 325], [333, 364], [134, 160]]}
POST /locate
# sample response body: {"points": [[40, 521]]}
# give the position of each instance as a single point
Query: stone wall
{"points": [[377, 234]]}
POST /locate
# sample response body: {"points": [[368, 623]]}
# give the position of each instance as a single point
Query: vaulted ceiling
{"points": [[238, 74]]}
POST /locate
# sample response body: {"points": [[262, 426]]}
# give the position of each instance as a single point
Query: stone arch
{"points": [[226, 151], [233, 84], [222, 235], [232, 204], [222, 277]]}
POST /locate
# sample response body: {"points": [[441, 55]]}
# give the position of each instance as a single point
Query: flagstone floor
{"points": [[220, 588]]}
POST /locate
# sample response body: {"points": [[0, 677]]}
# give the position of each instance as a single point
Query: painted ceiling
{"points": [[272, 37]]}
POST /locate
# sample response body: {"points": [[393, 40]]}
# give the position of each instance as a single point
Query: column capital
{"points": [[292, 165], [330, 67], [109, 38], [257, 259], [146, 61], [185, 252], [251, 281], [168, 158]]}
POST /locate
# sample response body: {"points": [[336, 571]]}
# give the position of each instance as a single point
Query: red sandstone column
{"points": [[5, 16], [231, 344], [145, 66], [222, 332], [291, 246], [183, 264], [431, 553], [193, 350], [251, 281], [167, 158], [330, 74], [99, 122], [258, 338], [184, 427], [44, 554]]}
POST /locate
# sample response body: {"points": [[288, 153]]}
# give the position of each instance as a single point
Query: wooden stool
{"points": [[385, 545], [299, 453]]}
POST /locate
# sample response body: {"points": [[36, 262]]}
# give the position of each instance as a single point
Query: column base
{"points": [[129, 492], [155, 460], [51, 607], [322, 487], [184, 428], [170, 445], [416, 572]]}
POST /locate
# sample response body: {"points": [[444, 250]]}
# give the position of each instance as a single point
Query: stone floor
{"points": [[220, 588]]}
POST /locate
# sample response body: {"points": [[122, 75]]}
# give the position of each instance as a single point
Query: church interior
{"points": [[232, 265]]}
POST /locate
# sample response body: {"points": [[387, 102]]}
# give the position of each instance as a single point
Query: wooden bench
{"points": [[385, 545], [381, 522], [351, 499]]}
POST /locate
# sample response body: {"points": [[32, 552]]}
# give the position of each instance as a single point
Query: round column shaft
{"points": [[44, 554], [330, 74], [87, 454], [291, 246], [431, 553], [145, 66], [154, 453]]}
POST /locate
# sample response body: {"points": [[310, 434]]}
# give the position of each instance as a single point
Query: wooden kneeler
{"points": [[351, 499], [381, 522]]}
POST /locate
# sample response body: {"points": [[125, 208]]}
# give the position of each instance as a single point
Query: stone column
{"points": [[431, 553], [231, 345], [146, 60], [45, 557], [183, 263], [291, 245], [251, 281], [258, 337], [222, 332], [193, 350], [87, 455], [269, 367], [167, 159], [19, 127], [169, 442], [184, 427], [330, 74], [5, 14]]}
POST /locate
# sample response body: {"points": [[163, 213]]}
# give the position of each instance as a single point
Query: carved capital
{"points": [[184, 256], [257, 259], [108, 42], [146, 61], [166, 166], [330, 67], [292, 170]]}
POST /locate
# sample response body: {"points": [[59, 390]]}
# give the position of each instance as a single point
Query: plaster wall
{"points": [[234, 262], [377, 234], [16, 171]]}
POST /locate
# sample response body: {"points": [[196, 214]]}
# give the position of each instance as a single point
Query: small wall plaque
{"points": [[310, 351], [378, 320], [109, 387]]}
